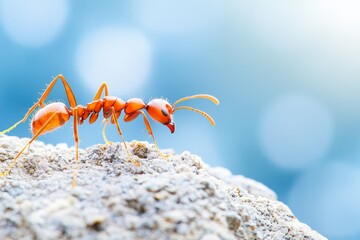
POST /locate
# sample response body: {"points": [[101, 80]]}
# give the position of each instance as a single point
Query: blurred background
{"points": [[287, 75]]}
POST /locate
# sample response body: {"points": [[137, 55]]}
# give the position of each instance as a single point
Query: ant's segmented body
{"points": [[55, 115]]}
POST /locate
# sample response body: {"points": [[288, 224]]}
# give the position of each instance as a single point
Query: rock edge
{"points": [[175, 198]]}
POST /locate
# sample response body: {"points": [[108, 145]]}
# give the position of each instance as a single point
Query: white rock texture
{"points": [[175, 198]]}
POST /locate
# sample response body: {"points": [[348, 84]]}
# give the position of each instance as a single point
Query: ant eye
{"points": [[164, 112]]}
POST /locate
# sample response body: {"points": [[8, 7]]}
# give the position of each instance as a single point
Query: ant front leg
{"points": [[132, 116]]}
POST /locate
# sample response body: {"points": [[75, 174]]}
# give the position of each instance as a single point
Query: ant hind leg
{"points": [[22, 120], [40, 102], [7, 171]]}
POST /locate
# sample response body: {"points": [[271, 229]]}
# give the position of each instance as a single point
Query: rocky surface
{"points": [[175, 198]]}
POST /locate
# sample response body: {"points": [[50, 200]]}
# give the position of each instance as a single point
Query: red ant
{"points": [[55, 115]]}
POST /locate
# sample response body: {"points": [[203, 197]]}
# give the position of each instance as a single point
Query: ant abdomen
{"points": [[49, 118]]}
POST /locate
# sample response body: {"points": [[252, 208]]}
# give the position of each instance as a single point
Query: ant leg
{"points": [[123, 139], [103, 87], [70, 95], [40, 102], [7, 171], [105, 121], [22, 120], [148, 127], [76, 138]]}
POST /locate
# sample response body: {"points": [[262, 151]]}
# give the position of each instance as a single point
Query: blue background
{"points": [[286, 74]]}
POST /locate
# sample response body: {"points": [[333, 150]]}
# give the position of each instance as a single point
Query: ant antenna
{"points": [[206, 96], [208, 117]]}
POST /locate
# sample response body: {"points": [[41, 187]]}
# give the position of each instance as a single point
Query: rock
{"points": [[178, 197]]}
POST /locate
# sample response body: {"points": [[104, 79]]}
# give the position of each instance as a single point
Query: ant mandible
{"points": [[55, 115]]}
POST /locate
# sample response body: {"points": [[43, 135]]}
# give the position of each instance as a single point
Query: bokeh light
{"points": [[285, 25], [295, 131], [176, 17], [33, 23], [327, 198], [121, 57], [286, 73]]}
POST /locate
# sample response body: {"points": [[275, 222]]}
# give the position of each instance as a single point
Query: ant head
{"points": [[161, 111]]}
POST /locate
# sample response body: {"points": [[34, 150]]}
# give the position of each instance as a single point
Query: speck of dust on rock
{"points": [[178, 197]]}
